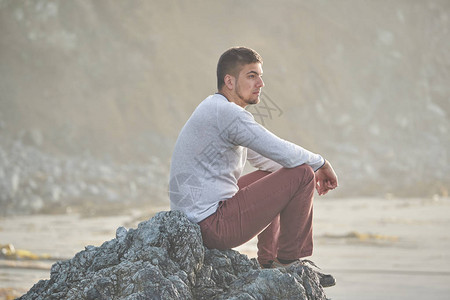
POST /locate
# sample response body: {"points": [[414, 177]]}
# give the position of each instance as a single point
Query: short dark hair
{"points": [[231, 61]]}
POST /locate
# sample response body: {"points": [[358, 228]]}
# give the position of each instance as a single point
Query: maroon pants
{"points": [[278, 207]]}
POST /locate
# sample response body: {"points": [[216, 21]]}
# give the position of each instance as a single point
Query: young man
{"points": [[274, 202]]}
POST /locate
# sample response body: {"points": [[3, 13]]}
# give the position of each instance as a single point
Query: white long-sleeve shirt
{"points": [[211, 151]]}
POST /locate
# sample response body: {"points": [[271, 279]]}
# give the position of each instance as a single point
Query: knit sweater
{"points": [[211, 151]]}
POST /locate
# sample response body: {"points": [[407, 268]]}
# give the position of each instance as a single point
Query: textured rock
{"points": [[164, 258]]}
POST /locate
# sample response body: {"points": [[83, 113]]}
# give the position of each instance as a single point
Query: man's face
{"points": [[248, 84]]}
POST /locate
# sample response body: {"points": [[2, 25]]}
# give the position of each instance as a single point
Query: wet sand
{"points": [[376, 248]]}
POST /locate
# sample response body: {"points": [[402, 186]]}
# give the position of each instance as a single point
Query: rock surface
{"points": [[164, 258]]}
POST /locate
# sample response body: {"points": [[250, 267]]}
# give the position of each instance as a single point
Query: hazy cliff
{"points": [[363, 83]]}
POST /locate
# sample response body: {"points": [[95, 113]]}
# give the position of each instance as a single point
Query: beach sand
{"points": [[376, 248]]}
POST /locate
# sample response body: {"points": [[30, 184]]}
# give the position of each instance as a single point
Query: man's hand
{"points": [[326, 179]]}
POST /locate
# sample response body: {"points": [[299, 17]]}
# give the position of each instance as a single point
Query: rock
{"points": [[164, 258]]}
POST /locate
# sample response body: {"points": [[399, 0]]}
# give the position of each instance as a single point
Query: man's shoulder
{"points": [[219, 104], [227, 107]]}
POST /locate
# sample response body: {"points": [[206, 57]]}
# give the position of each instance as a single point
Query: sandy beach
{"points": [[376, 248]]}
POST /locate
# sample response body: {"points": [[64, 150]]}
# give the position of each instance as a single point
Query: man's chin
{"points": [[255, 101], [252, 101]]}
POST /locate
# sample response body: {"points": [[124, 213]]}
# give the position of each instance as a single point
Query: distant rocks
{"points": [[32, 181], [164, 258]]}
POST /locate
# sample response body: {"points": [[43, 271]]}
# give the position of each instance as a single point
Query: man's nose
{"points": [[261, 82]]}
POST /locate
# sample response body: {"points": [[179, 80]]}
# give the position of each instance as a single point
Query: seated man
{"points": [[276, 201]]}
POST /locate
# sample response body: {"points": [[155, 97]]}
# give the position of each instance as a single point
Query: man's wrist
{"points": [[324, 163]]}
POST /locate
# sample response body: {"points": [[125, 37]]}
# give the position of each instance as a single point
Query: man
{"points": [[274, 202]]}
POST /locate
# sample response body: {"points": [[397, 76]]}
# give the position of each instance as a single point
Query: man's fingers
{"points": [[323, 192], [322, 187], [331, 185], [317, 186], [326, 180]]}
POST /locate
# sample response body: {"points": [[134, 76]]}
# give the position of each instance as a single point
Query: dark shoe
{"points": [[326, 280]]}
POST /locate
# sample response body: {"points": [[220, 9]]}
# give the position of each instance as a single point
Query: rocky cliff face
{"points": [[363, 83], [164, 258]]}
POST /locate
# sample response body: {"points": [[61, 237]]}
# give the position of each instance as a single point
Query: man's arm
{"points": [[241, 129], [262, 163], [326, 179]]}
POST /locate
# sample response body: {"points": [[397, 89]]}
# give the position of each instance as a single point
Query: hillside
{"points": [[365, 83]]}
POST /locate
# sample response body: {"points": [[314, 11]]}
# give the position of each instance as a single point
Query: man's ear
{"points": [[229, 81]]}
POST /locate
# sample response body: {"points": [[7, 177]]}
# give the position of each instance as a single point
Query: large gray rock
{"points": [[164, 258]]}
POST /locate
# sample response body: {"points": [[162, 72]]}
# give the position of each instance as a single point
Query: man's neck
{"points": [[232, 98]]}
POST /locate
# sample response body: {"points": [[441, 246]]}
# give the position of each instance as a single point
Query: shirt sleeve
{"points": [[262, 163], [243, 130]]}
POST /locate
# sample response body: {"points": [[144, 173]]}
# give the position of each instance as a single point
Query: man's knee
{"points": [[306, 172]]}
